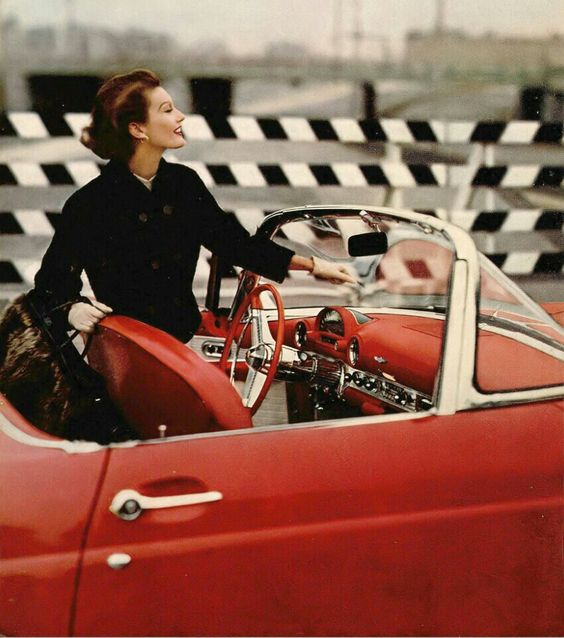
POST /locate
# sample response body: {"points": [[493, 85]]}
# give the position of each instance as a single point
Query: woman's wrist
{"points": [[302, 263]]}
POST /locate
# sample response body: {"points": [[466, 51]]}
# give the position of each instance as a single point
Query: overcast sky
{"points": [[246, 26]]}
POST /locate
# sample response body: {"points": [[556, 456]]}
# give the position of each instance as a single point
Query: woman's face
{"points": [[163, 125]]}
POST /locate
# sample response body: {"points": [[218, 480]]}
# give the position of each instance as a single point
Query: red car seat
{"points": [[155, 380]]}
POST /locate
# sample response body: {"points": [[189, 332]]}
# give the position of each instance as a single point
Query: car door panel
{"points": [[437, 525], [46, 496]]}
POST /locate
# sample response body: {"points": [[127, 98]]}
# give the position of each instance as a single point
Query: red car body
{"points": [[442, 520]]}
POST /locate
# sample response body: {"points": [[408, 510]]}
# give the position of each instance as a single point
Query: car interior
{"points": [[308, 350], [347, 351]]}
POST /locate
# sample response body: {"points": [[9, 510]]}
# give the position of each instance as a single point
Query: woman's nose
{"points": [[180, 117]]}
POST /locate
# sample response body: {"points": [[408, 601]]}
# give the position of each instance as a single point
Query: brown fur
{"points": [[31, 376]]}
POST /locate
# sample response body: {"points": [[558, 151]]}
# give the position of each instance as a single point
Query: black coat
{"points": [[140, 248]]}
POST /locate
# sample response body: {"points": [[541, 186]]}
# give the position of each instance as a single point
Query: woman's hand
{"points": [[335, 273], [321, 269], [84, 317]]}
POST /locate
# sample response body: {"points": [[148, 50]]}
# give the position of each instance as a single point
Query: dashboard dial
{"points": [[353, 351], [300, 334], [331, 321]]}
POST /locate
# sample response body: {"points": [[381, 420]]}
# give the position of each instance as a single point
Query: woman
{"points": [[137, 228]]}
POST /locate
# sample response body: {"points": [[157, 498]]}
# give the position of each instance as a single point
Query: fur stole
{"points": [[37, 385]]}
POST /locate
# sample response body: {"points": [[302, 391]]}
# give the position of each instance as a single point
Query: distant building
{"points": [[458, 51], [76, 43]]}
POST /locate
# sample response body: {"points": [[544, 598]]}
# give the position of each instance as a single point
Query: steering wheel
{"points": [[264, 354]]}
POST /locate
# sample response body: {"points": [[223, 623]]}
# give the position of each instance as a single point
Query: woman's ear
{"points": [[136, 132]]}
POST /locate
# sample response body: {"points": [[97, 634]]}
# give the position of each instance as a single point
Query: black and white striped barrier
{"points": [[31, 125], [299, 174], [39, 223]]}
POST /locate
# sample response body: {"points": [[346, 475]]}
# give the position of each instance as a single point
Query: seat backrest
{"points": [[156, 380]]}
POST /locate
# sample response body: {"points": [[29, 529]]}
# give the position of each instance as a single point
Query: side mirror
{"points": [[375, 243]]}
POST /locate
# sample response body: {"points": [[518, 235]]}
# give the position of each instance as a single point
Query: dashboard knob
{"points": [[358, 378]]}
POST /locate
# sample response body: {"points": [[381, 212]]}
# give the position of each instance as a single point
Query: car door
{"points": [[394, 526], [47, 491]]}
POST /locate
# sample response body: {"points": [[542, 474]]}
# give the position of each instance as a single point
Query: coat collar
{"points": [[118, 171], [122, 186]]}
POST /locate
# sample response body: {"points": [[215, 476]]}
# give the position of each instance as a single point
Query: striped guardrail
{"points": [[32, 125], [40, 223], [300, 174], [26, 226], [521, 241]]}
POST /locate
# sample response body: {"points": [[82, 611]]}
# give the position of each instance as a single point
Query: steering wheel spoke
{"points": [[260, 328], [263, 355], [254, 384]]}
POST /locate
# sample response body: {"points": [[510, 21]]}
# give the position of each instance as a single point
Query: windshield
{"points": [[413, 277], [413, 273]]}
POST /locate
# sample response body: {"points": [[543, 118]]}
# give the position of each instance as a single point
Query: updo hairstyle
{"points": [[121, 99]]}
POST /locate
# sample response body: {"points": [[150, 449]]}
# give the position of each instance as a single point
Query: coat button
{"points": [[143, 217], [151, 310], [167, 209], [177, 301], [155, 264]]}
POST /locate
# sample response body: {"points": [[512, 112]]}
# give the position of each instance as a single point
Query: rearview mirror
{"points": [[368, 244]]}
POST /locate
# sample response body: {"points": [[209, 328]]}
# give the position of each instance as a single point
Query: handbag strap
{"points": [[74, 333], [68, 354]]}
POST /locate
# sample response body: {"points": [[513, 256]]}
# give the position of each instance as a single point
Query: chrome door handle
{"points": [[129, 504]]}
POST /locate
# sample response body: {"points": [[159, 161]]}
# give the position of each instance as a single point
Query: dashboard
{"points": [[388, 358]]}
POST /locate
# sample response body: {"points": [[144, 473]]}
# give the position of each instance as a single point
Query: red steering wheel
{"points": [[264, 354]]}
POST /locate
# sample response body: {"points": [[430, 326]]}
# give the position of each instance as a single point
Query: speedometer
{"points": [[331, 321]]}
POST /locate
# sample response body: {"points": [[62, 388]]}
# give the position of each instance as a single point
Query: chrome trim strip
{"points": [[478, 399], [313, 311], [70, 447], [526, 340], [328, 423]]}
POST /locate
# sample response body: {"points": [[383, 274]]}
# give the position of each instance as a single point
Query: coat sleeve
{"points": [[58, 281], [226, 237]]}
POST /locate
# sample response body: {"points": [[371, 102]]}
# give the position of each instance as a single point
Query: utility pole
{"points": [[359, 36]]}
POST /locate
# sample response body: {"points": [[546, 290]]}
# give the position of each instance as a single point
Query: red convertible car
{"points": [[384, 458]]}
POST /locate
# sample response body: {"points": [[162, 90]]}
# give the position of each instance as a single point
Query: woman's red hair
{"points": [[121, 99]]}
